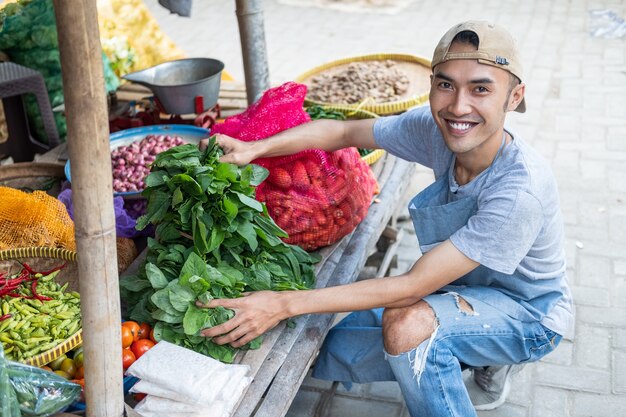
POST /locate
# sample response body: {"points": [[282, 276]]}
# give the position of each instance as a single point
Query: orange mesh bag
{"points": [[34, 219], [317, 197]]}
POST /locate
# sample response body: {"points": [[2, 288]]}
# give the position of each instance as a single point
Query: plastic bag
{"points": [[9, 407], [187, 376], [124, 223], [606, 24], [158, 406], [30, 391], [317, 197]]}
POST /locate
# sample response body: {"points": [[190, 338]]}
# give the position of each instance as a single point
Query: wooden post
{"points": [[88, 143], [252, 34]]}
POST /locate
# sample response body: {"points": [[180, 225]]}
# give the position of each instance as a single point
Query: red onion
{"points": [[130, 163]]}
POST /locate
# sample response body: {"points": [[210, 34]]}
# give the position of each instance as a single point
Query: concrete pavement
{"points": [[576, 98]]}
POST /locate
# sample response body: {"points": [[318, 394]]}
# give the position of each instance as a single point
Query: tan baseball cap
{"points": [[496, 47]]}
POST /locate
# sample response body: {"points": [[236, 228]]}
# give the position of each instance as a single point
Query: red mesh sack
{"points": [[317, 197]]}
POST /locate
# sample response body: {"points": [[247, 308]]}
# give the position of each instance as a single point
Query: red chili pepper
{"points": [[33, 289], [8, 288], [13, 281], [10, 285], [6, 316], [14, 295], [28, 268], [58, 268]]}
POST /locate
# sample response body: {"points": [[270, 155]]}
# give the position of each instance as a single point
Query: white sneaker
{"points": [[488, 387]]}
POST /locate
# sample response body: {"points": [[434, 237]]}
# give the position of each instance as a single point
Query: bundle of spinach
{"points": [[213, 240]]}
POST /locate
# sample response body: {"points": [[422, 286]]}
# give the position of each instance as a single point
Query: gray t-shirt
{"points": [[517, 197]]}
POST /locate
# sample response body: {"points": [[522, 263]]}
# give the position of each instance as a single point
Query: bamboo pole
{"points": [[252, 33], [88, 143]]}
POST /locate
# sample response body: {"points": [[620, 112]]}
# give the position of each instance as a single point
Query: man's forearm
{"points": [[432, 271], [363, 295], [320, 134], [328, 135]]}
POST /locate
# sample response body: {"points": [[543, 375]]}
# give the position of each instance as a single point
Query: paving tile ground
{"points": [[576, 96]]}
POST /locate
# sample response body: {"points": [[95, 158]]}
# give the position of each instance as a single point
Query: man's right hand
{"points": [[235, 151]]}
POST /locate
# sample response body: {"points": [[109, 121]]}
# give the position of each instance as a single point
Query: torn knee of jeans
{"points": [[421, 354], [462, 304], [417, 356], [404, 329]]}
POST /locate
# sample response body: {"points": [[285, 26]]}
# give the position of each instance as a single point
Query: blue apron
{"points": [[353, 350]]}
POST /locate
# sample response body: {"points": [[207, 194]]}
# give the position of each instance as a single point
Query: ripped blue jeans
{"points": [[430, 375]]}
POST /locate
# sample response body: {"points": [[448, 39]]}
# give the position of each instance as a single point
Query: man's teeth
{"points": [[460, 126]]}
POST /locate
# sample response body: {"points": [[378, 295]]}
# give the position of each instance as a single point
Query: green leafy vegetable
{"points": [[213, 240]]}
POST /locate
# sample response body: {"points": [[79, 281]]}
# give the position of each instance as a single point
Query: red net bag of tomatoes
{"points": [[317, 197]]}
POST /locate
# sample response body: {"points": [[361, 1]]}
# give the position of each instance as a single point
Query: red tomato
{"points": [[152, 337], [134, 328], [80, 373], [144, 331], [80, 382], [141, 346], [128, 357], [127, 336]]}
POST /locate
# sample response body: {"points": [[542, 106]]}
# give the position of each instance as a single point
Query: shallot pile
{"points": [[131, 164]]}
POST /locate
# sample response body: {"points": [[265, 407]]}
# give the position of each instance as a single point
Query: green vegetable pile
{"points": [[317, 112], [37, 316], [213, 240]]}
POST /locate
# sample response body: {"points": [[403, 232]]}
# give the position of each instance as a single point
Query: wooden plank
{"points": [[384, 170], [289, 377], [391, 233], [274, 360], [293, 371], [389, 254]]}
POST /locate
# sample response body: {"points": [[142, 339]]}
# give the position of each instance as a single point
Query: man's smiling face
{"points": [[469, 102]]}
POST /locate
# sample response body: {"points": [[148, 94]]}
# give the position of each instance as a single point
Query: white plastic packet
{"points": [[158, 406], [236, 383], [150, 388], [188, 376]]}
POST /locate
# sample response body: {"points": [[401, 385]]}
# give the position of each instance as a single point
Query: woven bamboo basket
{"points": [[417, 69], [356, 113], [28, 176], [42, 258]]}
